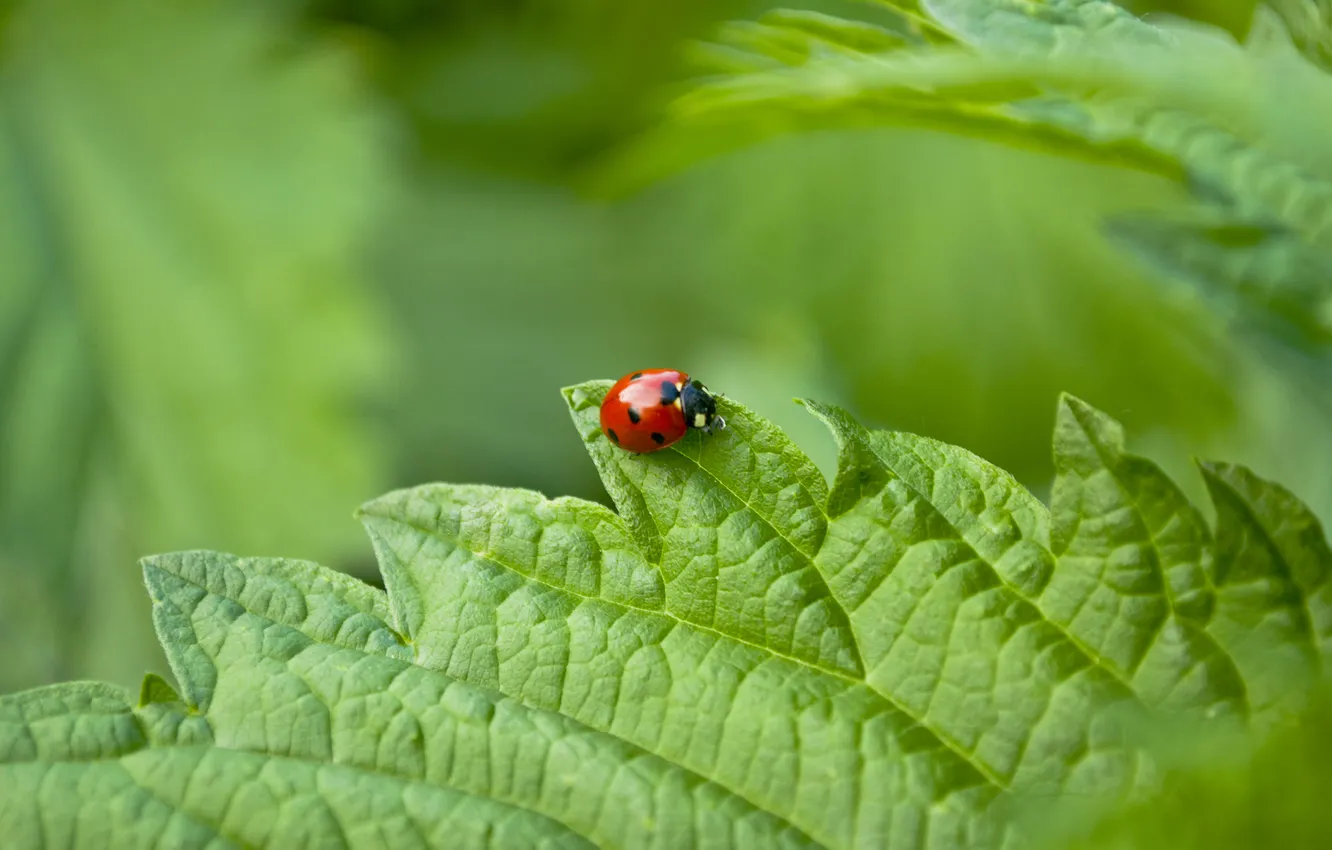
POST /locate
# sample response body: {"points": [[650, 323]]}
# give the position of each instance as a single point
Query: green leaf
{"points": [[743, 669], [1041, 26], [795, 71], [1245, 126], [1135, 573], [151, 778], [306, 723], [782, 79], [718, 594], [156, 689], [740, 655], [949, 631], [1310, 24], [1123, 84], [1256, 275], [1249, 123], [793, 36], [1271, 570], [1251, 794], [181, 250]]}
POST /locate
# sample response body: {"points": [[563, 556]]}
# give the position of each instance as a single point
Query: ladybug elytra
{"points": [[651, 409]]}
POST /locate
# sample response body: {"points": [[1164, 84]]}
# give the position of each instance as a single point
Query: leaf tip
{"points": [[1079, 424], [1240, 480], [152, 566], [387, 505], [1206, 467], [156, 689], [585, 395], [814, 407], [1217, 474], [828, 413], [1069, 404], [173, 564]]}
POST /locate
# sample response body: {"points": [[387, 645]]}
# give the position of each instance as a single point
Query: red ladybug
{"points": [[649, 410]]}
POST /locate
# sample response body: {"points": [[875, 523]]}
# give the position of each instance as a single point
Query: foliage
{"points": [[187, 317], [742, 655], [157, 236], [1254, 795], [1245, 126]]}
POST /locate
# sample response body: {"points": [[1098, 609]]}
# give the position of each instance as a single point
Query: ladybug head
{"points": [[700, 408]]}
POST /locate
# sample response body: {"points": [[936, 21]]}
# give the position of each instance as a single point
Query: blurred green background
{"points": [[260, 262]]}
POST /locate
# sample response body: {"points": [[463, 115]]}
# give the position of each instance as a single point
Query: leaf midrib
{"points": [[375, 770], [811, 561], [807, 558], [502, 563], [944, 739], [180, 809]]}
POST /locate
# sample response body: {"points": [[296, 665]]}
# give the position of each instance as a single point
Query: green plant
{"points": [[1253, 794], [742, 655], [184, 336], [1245, 127]]}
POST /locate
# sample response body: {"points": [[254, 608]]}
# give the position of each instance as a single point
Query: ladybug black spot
{"points": [[610, 432], [635, 376], [634, 415], [669, 393], [658, 438]]}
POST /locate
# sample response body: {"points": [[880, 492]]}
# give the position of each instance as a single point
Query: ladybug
{"points": [[649, 410]]}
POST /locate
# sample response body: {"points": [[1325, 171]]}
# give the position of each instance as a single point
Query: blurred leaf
{"points": [[796, 72], [526, 87], [1310, 24], [1234, 16], [183, 342], [1174, 101], [1127, 85], [794, 36], [1224, 792], [1255, 275], [1039, 27], [1250, 124]]}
